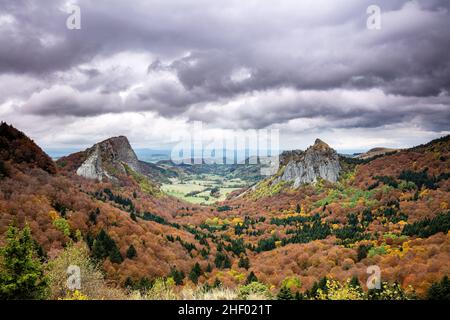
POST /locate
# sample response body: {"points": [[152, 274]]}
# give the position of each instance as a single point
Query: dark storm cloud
{"points": [[205, 57], [333, 108], [63, 100]]}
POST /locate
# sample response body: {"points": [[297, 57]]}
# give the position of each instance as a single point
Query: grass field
{"points": [[202, 184]]}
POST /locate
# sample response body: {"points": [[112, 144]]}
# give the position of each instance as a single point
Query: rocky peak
{"points": [[319, 161], [108, 158], [319, 144]]}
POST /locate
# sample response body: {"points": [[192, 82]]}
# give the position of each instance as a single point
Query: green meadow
{"points": [[197, 188]]}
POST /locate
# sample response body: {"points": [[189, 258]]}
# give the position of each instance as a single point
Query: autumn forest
{"points": [[131, 240]]}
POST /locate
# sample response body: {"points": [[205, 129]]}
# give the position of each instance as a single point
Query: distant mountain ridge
{"points": [[375, 152]]}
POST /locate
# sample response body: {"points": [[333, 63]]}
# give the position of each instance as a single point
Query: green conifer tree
{"points": [[131, 252], [22, 275], [285, 294]]}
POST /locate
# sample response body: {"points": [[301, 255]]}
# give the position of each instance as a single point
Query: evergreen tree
{"points": [[440, 290], [195, 273], [285, 294], [92, 217], [363, 250], [22, 275], [244, 262], [177, 276], [100, 247], [104, 246], [227, 263], [322, 285], [251, 278], [209, 268], [299, 296], [298, 209], [222, 261], [115, 256], [144, 284], [131, 252]]}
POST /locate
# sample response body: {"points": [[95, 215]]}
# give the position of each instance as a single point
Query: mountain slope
{"points": [[17, 148], [65, 208], [110, 159], [392, 212]]}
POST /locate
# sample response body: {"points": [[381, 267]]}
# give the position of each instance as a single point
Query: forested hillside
{"points": [[312, 241]]}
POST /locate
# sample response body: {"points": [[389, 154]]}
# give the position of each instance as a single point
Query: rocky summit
{"points": [[318, 161], [108, 158]]}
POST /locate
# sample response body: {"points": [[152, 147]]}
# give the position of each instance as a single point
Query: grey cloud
{"points": [[65, 101], [341, 109], [320, 46]]}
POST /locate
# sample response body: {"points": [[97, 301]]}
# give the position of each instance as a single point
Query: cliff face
{"points": [[318, 161], [108, 158]]}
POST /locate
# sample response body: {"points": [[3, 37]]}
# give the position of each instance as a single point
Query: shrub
{"points": [[375, 251], [254, 291], [62, 225], [76, 295], [337, 291], [407, 186], [389, 291], [92, 282], [293, 283], [162, 289]]}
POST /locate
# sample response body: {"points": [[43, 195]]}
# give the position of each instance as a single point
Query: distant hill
{"points": [[375, 152]]}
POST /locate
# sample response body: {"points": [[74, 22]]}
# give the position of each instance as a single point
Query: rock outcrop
{"points": [[317, 162], [108, 159]]}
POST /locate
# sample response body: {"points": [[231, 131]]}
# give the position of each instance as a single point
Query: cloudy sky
{"points": [[146, 69]]}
